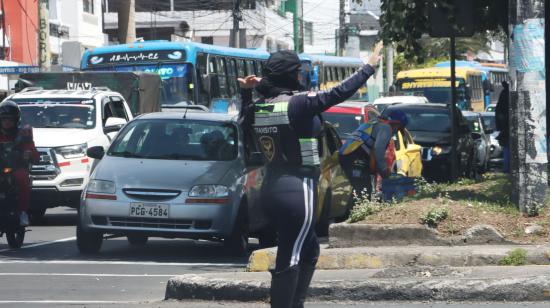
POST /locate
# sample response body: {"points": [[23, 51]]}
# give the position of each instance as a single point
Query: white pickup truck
{"points": [[65, 124]]}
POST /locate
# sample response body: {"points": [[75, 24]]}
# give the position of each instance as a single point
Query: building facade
{"points": [[263, 24], [21, 33], [74, 21], [321, 23]]}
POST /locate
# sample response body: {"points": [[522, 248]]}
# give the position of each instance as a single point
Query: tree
{"points": [[405, 22]]}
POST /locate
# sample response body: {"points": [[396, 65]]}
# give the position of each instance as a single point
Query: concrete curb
{"points": [[367, 287], [344, 235], [387, 257]]}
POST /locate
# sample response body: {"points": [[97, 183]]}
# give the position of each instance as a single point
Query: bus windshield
{"points": [[177, 80], [435, 90]]}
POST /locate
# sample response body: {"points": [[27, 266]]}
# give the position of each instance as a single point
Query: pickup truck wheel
{"points": [[36, 216], [88, 242], [137, 240]]}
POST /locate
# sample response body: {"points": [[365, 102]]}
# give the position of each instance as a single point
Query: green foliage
{"points": [[515, 257], [365, 207], [405, 22], [434, 217]]}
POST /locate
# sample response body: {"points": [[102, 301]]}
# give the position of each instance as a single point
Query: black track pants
{"points": [[291, 203]]}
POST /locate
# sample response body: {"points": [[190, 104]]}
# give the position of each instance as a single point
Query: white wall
{"points": [[325, 17], [83, 27]]}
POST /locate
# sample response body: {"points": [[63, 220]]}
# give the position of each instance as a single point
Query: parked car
{"points": [[65, 124], [482, 138], [430, 127], [188, 175], [346, 117], [489, 121], [381, 103]]}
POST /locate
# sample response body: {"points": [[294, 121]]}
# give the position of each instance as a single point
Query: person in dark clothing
{"points": [[25, 153], [503, 125], [363, 155], [285, 125]]}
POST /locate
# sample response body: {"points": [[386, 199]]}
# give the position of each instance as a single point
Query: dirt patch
{"points": [[469, 204]]}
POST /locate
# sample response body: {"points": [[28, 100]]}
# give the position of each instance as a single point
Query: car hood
{"points": [[162, 174], [57, 137], [430, 138]]}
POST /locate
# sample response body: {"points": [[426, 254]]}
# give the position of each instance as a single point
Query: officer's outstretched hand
{"points": [[249, 82], [374, 59]]}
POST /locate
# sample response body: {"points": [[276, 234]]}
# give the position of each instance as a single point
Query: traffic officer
{"points": [[363, 155], [284, 126]]}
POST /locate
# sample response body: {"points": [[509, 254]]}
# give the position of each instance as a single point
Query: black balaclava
{"points": [[280, 74]]}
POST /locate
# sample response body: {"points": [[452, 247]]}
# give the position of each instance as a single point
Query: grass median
{"points": [[454, 208]]}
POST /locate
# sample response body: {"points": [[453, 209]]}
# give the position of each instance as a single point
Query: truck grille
{"points": [[45, 170], [151, 194]]}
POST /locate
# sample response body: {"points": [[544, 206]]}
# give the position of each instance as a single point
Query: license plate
{"points": [[149, 210]]}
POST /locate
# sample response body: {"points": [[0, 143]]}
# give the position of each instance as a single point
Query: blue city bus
{"points": [[329, 71], [191, 73], [492, 77]]}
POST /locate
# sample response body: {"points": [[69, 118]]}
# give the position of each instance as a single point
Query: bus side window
{"points": [[250, 67], [213, 72], [343, 74], [262, 68], [222, 77], [232, 77], [242, 68], [202, 73]]}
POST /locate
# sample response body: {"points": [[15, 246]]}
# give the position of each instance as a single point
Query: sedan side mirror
{"points": [[114, 125], [96, 152]]}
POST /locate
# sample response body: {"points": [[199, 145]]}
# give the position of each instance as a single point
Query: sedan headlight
{"points": [[101, 187], [209, 191], [73, 151], [438, 150]]}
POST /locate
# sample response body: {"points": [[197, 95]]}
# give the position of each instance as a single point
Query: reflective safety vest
{"points": [[277, 140]]}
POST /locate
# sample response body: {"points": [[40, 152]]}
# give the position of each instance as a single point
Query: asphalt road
{"points": [[49, 272]]}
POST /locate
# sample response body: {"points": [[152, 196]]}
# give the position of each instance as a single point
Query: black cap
{"points": [[282, 64]]}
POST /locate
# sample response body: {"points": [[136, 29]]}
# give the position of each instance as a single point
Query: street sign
{"points": [[17, 70], [461, 24]]}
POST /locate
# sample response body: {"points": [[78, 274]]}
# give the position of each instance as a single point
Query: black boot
{"points": [[304, 279], [283, 287]]}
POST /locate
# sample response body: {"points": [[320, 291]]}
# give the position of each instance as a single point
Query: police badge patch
{"points": [[268, 147]]}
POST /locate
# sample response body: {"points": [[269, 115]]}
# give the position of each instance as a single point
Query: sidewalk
{"points": [[486, 283], [399, 256]]}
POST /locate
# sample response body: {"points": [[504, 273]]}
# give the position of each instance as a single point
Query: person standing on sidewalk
{"points": [[284, 126]]}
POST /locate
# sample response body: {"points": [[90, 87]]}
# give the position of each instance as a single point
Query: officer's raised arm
{"points": [[315, 103]]}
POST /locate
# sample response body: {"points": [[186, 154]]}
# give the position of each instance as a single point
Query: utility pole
{"points": [[44, 56], [126, 21], [234, 37], [3, 51], [389, 67], [299, 27], [341, 29], [528, 105]]}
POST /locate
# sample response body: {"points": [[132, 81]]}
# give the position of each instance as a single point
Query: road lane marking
{"points": [[66, 302], [82, 274], [86, 262], [68, 239]]}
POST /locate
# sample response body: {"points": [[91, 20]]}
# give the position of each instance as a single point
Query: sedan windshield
{"points": [[428, 120], [344, 123], [177, 140], [57, 113]]}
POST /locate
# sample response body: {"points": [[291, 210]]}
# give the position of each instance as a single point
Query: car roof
{"points": [[487, 114], [418, 106], [86, 94], [191, 115], [409, 99], [354, 104]]}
